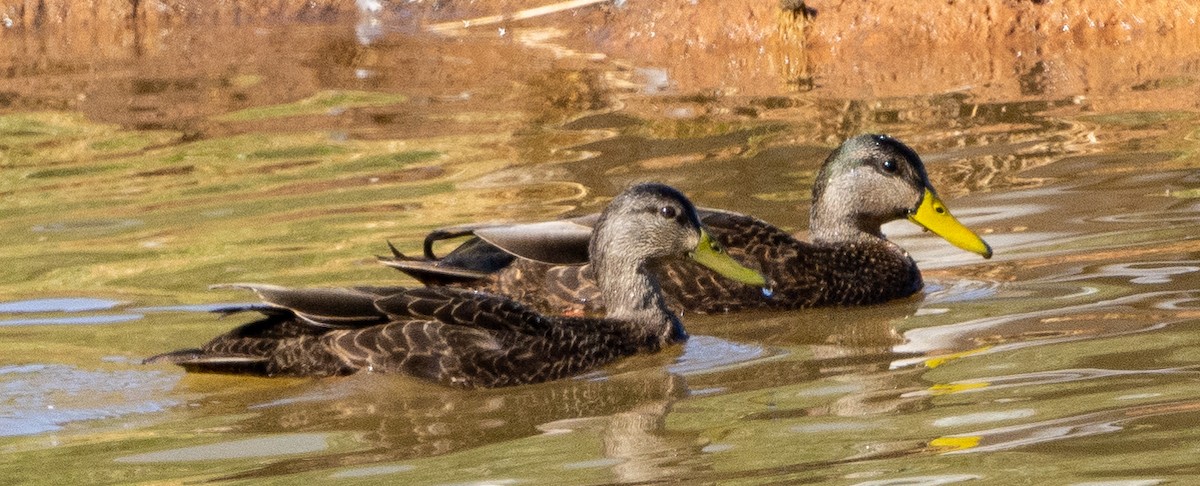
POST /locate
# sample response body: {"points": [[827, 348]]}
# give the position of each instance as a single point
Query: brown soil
{"points": [[996, 49], [879, 48]]}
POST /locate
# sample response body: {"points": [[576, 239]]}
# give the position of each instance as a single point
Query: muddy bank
{"points": [[993, 49]]}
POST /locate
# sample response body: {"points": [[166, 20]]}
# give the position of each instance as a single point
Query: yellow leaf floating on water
{"points": [[948, 388], [941, 360], [955, 443]]}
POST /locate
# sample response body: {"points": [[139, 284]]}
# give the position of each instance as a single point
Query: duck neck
{"points": [[835, 222], [632, 295], [824, 229]]}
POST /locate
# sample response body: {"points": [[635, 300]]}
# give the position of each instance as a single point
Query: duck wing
{"points": [[489, 260], [331, 308], [492, 248], [441, 334], [471, 261], [461, 307], [254, 348], [552, 242], [293, 321]]}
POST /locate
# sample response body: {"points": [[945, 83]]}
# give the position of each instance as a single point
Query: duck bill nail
{"points": [[720, 262], [933, 215]]}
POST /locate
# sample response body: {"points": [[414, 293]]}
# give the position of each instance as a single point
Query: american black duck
{"points": [[868, 181], [466, 338]]}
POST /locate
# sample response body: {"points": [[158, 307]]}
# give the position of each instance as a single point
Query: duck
{"points": [[867, 181], [471, 339]]}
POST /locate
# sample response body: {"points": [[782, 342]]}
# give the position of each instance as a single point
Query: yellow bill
{"points": [[933, 216], [711, 255]]}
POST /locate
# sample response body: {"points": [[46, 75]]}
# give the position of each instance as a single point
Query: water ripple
{"points": [[1167, 216], [970, 334], [80, 320], [1088, 424], [94, 225], [992, 383], [41, 398], [62, 304], [702, 354], [259, 447], [1147, 272]]}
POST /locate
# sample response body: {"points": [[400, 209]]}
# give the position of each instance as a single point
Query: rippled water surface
{"points": [[291, 152]]}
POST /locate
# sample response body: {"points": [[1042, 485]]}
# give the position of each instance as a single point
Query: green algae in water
{"points": [[320, 103], [52, 139]]}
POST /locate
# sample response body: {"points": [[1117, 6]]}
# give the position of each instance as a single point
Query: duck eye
{"points": [[890, 166], [668, 212]]}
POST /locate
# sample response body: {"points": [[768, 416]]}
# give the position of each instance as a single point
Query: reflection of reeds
{"points": [[890, 48], [191, 212], [529, 13]]}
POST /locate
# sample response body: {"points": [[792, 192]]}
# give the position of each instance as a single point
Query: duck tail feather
{"points": [[264, 309], [198, 361], [396, 253]]}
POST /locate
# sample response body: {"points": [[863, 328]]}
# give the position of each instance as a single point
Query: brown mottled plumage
{"points": [[467, 338], [868, 181]]}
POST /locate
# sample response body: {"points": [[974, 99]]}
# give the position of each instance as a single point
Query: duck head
{"points": [[873, 179], [652, 221], [645, 224]]}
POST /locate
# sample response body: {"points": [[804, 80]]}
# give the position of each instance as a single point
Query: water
{"points": [[288, 150]]}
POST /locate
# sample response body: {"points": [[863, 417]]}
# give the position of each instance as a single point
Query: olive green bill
{"points": [[710, 254], [933, 216]]}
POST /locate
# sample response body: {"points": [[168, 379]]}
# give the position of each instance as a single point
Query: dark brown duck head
{"points": [[874, 179], [641, 227]]}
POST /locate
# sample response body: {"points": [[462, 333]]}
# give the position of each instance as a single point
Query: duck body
{"points": [[455, 337], [868, 181], [468, 338], [860, 273], [855, 273]]}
